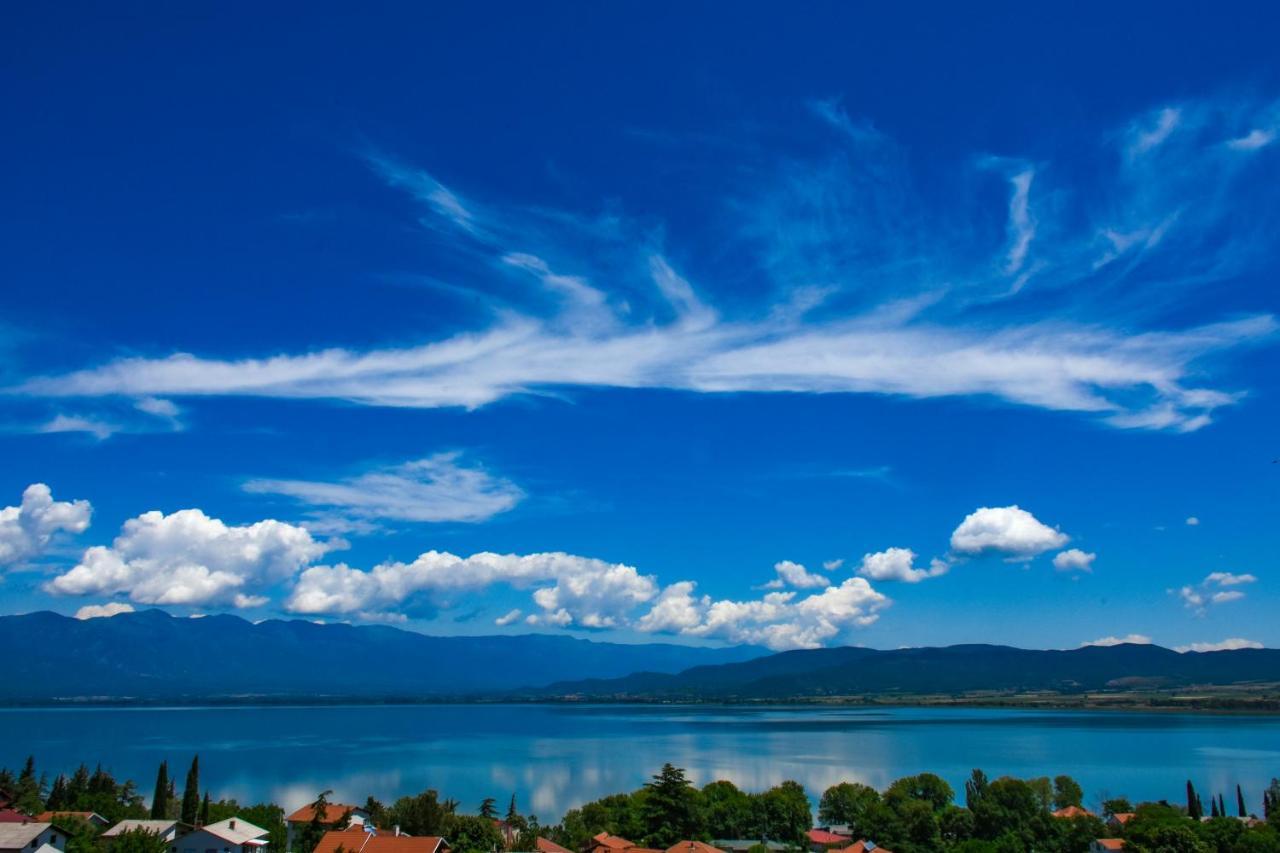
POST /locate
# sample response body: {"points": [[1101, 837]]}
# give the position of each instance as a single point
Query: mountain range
{"points": [[151, 655], [851, 671]]}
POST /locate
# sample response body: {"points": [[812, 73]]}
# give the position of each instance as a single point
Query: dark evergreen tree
{"points": [[159, 800], [1222, 807], [974, 788], [1194, 809], [1213, 807], [27, 791], [488, 811], [191, 794], [1243, 812], [204, 810]]}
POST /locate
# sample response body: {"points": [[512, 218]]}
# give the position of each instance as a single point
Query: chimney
{"points": [[397, 830], [233, 823]]}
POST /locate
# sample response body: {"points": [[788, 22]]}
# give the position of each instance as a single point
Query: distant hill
{"points": [[151, 655], [947, 670]]}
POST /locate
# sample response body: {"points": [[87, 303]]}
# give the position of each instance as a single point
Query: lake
{"points": [[554, 757]]}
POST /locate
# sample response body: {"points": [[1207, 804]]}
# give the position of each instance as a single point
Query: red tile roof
{"points": [[1073, 811], [822, 836], [546, 845], [691, 847], [12, 816], [359, 841], [1122, 817], [1111, 843], [333, 813], [85, 816], [862, 846]]}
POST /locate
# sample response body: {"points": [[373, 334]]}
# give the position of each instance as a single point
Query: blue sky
{"points": [[891, 326]]}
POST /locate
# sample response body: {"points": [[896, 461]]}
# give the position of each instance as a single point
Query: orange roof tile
{"points": [[1073, 811], [691, 847], [359, 841], [1111, 843], [333, 813], [546, 845]]}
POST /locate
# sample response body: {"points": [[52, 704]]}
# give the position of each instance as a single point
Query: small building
{"points": [[822, 839], [366, 839], [169, 830], [606, 843], [88, 817], [1072, 812], [864, 846], [1103, 845], [546, 845], [337, 816], [742, 845], [1119, 819], [233, 835], [692, 847], [33, 836], [13, 816]]}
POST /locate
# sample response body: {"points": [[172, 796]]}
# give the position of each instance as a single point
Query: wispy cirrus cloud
{"points": [[874, 290], [435, 489]]}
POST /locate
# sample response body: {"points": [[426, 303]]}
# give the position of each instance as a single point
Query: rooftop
{"points": [[15, 836]]}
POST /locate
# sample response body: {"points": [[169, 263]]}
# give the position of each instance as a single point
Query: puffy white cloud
{"points": [[896, 564], [1135, 639], [570, 590], [1228, 579], [1074, 560], [429, 490], [27, 529], [1210, 590], [796, 575], [1220, 646], [779, 620], [1192, 521], [111, 608], [1007, 530], [188, 558], [675, 611], [832, 565], [510, 617]]}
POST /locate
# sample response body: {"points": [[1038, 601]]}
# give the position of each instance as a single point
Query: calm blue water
{"points": [[554, 757]]}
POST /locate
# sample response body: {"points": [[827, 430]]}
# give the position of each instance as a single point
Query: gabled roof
{"points": [[13, 816], [91, 817], [158, 827], [691, 847], [613, 842], [546, 845], [1073, 811], [1111, 843], [825, 836], [358, 840], [15, 836], [864, 846], [333, 813], [237, 831], [1123, 817]]}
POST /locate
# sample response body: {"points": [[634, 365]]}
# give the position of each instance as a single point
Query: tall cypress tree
{"points": [[1222, 807], [1213, 807], [1195, 810], [1240, 803], [204, 810], [160, 800], [191, 794]]}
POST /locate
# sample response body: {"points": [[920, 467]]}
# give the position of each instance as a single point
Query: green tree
{"points": [[139, 841], [191, 794], [423, 814], [309, 835], [27, 792], [204, 810], [1116, 805], [974, 788], [784, 813], [1195, 810], [670, 811], [488, 809], [726, 811], [470, 834], [847, 803], [1066, 792], [926, 787], [1240, 808]]}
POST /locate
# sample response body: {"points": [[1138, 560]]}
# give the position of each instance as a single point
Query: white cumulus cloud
{"points": [[1229, 644], [1074, 560], [1008, 530], [1134, 639], [897, 564], [27, 529], [96, 611], [188, 558], [796, 575]]}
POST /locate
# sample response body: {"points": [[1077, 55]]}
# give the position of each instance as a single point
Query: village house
{"points": [[33, 836], [606, 843], [546, 845], [1103, 845], [1119, 819], [367, 839], [88, 817], [742, 845], [822, 839], [334, 814], [691, 847], [232, 835], [169, 830], [864, 846], [1072, 812]]}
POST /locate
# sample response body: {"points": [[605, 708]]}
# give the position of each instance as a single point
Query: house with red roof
{"points": [[606, 843], [692, 847], [366, 839], [821, 840], [1103, 845], [546, 845], [864, 846], [1072, 812], [336, 816], [88, 817]]}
